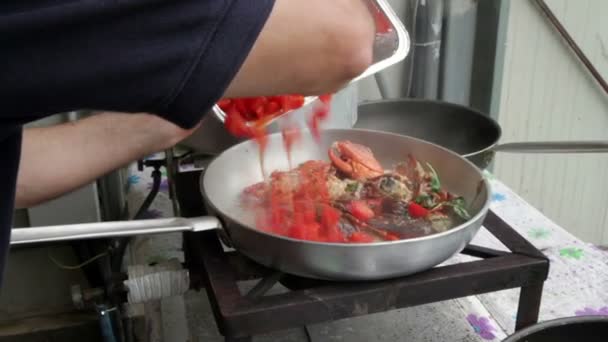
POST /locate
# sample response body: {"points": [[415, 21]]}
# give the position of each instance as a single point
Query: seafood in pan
{"points": [[352, 198]]}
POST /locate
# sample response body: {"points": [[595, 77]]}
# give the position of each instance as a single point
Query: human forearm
{"points": [[62, 158], [308, 47]]}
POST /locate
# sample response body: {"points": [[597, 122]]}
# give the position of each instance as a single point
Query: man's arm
{"points": [[59, 159], [174, 58], [308, 47]]}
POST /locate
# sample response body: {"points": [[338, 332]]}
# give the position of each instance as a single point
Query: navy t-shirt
{"points": [[171, 58]]}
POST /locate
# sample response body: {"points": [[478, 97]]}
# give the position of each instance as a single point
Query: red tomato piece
{"points": [[236, 125], [383, 25], [291, 134], [302, 207], [334, 235], [319, 114], [329, 221], [361, 210], [313, 231], [313, 125], [325, 98], [275, 98], [295, 101], [224, 104], [240, 105], [360, 237], [255, 107], [284, 102], [260, 112], [259, 134], [305, 231], [322, 112], [392, 237], [298, 232], [272, 108], [329, 216], [416, 210]]}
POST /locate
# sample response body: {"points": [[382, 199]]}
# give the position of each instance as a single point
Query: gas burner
{"points": [[239, 316]]}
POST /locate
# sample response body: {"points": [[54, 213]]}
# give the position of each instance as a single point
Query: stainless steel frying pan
{"points": [[238, 167], [461, 129]]}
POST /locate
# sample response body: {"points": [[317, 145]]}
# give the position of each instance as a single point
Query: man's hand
{"points": [[58, 159], [308, 47]]}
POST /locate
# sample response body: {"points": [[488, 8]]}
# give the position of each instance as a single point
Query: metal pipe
{"points": [[105, 321], [573, 45], [112, 229], [172, 169], [554, 147], [426, 48]]}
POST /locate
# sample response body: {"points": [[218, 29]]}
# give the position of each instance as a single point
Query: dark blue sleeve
{"points": [[171, 58], [10, 147]]}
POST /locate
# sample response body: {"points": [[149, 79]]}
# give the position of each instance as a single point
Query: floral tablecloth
{"points": [[577, 284]]}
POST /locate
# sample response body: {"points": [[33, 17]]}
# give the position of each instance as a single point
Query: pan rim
{"points": [[472, 110], [482, 212], [552, 323]]}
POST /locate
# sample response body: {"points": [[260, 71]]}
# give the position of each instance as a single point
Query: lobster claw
{"points": [[354, 160]]}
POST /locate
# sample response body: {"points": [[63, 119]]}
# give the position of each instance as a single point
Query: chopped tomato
{"points": [[361, 210], [329, 216], [291, 134], [360, 237], [314, 124], [240, 105], [298, 232], [392, 237], [302, 212], [236, 125], [416, 210], [261, 138], [225, 104], [295, 101], [329, 221], [383, 25], [325, 98], [272, 107], [305, 229]]}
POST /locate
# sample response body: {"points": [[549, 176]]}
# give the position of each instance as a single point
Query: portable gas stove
{"points": [[239, 316]]}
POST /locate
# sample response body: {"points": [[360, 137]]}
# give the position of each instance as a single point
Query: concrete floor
{"points": [[419, 324]]}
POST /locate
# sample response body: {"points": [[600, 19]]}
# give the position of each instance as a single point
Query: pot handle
{"points": [[599, 146], [97, 230]]}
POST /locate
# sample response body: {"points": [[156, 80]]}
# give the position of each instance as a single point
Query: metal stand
{"points": [[239, 317]]}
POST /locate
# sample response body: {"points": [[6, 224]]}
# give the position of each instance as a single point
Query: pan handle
{"points": [[112, 229], [599, 146]]}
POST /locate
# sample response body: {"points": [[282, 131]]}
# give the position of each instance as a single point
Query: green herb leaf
{"points": [[458, 201], [458, 205], [462, 212], [435, 183], [352, 187], [421, 198], [425, 201]]}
